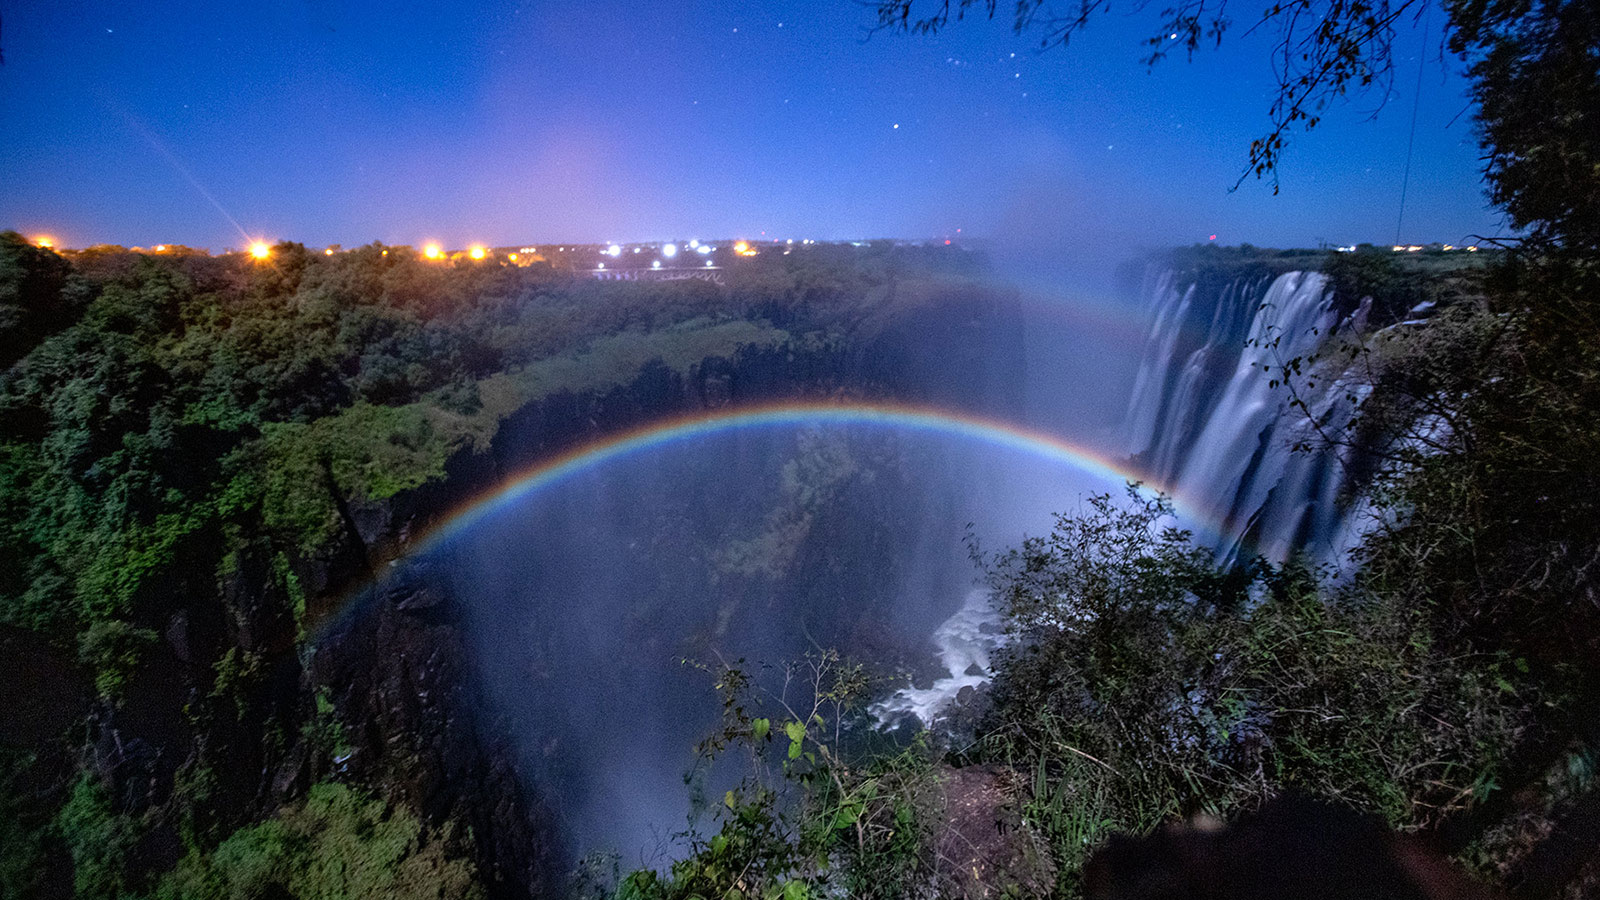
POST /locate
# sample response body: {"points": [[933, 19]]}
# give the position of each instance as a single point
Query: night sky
{"points": [[334, 121]]}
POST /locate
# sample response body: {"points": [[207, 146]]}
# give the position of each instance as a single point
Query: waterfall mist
{"points": [[584, 598]]}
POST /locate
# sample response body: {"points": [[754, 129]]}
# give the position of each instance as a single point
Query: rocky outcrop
{"points": [[398, 673], [985, 850]]}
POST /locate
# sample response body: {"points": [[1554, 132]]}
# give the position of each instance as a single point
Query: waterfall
{"points": [[1206, 419], [966, 640]]}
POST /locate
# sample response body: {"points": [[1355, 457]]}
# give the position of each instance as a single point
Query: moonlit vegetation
{"points": [[788, 451]]}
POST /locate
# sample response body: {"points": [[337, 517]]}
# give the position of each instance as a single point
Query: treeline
{"points": [[181, 433]]}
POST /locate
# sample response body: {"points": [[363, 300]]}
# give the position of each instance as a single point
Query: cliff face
{"points": [[394, 662]]}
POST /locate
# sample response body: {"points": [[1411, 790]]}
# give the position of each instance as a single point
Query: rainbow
{"points": [[662, 432]]}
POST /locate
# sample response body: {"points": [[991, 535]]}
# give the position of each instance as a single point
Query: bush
{"points": [[341, 844], [1145, 684]]}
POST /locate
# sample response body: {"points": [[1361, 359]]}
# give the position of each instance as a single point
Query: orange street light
{"points": [[260, 250], [477, 251], [44, 241], [432, 250]]}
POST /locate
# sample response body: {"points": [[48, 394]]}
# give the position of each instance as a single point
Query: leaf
{"points": [[729, 800], [759, 728], [794, 890], [846, 816], [795, 730], [719, 845]]}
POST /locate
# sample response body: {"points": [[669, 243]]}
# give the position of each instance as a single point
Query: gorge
{"points": [[475, 591]]}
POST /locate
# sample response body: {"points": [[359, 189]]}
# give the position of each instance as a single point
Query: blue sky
{"points": [[327, 121]]}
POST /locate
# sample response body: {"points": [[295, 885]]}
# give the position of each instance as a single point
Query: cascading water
{"points": [[1210, 416], [966, 641]]}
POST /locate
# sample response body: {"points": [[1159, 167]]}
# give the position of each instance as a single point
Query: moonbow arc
{"points": [[662, 432]]}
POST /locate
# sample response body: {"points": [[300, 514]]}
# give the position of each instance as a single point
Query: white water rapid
{"points": [[966, 641]]}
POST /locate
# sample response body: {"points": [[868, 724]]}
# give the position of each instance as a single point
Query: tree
{"points": [[1536, 80], [34, 302]]}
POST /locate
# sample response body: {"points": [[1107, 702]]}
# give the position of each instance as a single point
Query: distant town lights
{"points": [[669, 250], [476, 251], [260, 250], [703, 249], [45, 241], [432, 250], [655, 263], [615, 251]]}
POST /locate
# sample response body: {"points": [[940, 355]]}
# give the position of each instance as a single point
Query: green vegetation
{"points": [[340, 844], [186, 441], [803, 820], [1143, 684]]}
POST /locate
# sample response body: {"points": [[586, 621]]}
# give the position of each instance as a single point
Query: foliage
{"points": [[35, 299], [1146, 684], [1485, 419], [111, 650], [185, 438], [100, 841], [1536, 81], [804, 820], [169, 410], [339, 845]]}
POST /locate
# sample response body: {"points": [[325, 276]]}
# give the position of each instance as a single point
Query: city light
{"points": [[260, 250], [44, 241], [669, 250], [655, 263], [615, 251], [477, 251], [703, 249], [328, 252], [431, 250], [161, 248], [695, 244]]}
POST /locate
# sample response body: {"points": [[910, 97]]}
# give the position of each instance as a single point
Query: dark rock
{"points": [[985, 849]]}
